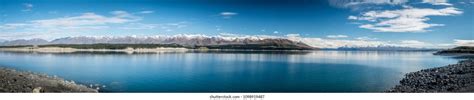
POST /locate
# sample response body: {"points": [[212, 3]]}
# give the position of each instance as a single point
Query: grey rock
{"points": [[20, 81], [451, 78]]}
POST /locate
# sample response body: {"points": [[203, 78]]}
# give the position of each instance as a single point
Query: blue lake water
{"points": [[314, 71]]}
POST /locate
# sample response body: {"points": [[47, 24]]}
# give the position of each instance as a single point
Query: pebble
{"points": [[450, 78], [37, 90], [27, 82]]}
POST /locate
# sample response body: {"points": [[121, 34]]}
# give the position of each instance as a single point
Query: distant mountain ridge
{"points": [[211, 42], [215, 42], [385, 48], [35, 41]]}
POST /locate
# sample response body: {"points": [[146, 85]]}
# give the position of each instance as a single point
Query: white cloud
{"points": [[332, 43], [124, 14], [293, 35], [458, 42], [445, 45], [29, 35], [361, 4], [86, 27], [164, 27], [404, 20], [86, 19], [52, 12], [66, 25], [349, 3], [414, 44], [228, 14], [146, 12], [12, 26], [364, 4], [275, 32], [360, 42], [336, 43], [337, 36], [411, 42], [438, 2], [27, 7], [139, 26], [365, 38], [352, 17], [228, 35], [178, 24]]}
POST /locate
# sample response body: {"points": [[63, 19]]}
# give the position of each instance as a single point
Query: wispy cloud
{"points": [[83, 21], [139, 26], [275, 32], [368, 42], [146, 12], [87, 19], [347, 3], [459, 42], [336, 43], [28, 35], [9, 26], [363, 4], [404, 20], [86, 23], [337, 36], [438, 2], [293, 35], [414, 43], [164, 27], [365, 38], [228, 14], [27, 7]]}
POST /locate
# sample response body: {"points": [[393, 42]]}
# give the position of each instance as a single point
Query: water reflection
{"points": [[230, 71]]}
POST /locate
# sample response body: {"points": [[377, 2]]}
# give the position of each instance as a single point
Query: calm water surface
{"points": [[315, 71]]}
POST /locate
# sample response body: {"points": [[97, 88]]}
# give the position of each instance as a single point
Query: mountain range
{"points": [[213, 42], [195, 41], [384, 48]]}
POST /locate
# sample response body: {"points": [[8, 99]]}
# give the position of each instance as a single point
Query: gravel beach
{"points": [[26, 82], [451, 78]]}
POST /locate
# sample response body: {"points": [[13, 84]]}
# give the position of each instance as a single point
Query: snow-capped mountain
{"points": [[382, 48], [184, 40], [178, 39], [24, 42]]}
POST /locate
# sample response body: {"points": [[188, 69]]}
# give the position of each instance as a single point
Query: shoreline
{"points": [[71, 50], [454, 54], [457, 77], [127, 50], [13, 81]]}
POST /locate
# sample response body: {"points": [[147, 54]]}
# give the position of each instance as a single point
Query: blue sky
{"points": [[325, 23]]}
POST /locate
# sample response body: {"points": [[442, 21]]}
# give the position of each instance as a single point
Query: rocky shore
{"points": [[72, 50], [23, 82], [451, 78]]}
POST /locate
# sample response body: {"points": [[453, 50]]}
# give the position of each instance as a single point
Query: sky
{"points": [[320, 23]]}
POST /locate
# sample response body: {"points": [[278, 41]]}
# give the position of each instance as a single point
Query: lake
{"points": [[230, 71]]}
